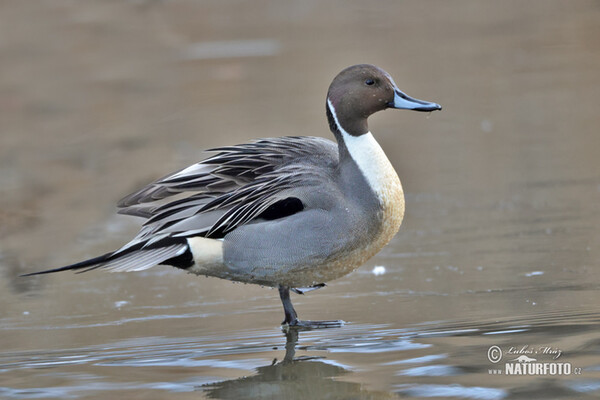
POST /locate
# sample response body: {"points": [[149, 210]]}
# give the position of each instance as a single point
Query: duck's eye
{"points": [[369, 82]]}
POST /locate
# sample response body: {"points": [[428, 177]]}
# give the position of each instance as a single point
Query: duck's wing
{"points": [[231, 188], [231, 168], [238, 185]]}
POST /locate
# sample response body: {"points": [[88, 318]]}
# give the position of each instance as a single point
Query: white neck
{"points": [[372, 162], [370, 158]]}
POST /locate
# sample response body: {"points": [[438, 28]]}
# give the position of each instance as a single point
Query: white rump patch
{"points": [[206, 253]]}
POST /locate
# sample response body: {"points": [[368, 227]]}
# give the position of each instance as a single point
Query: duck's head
{"points": [[361, 90]]}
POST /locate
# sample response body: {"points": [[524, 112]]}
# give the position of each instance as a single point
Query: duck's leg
{"points": [[291, 317]]}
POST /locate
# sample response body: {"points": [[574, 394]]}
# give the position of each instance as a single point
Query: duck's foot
{"points": [[308, 325], [291, 320]]}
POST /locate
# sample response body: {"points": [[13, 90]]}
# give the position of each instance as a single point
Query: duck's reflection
{"points": [[293, 378]]}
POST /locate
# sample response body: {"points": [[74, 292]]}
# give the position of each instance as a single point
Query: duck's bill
{"points": [[404, 102]]}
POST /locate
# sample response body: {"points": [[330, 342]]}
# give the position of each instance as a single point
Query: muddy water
{"points": [[499, 246]]}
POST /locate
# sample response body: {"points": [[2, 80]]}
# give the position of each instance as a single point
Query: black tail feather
{"points": [[170, 250], [87, 264]]}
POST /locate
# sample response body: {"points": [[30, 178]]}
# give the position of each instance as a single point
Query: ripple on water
{"points": [[455, 390], [430, 351], [431, 370]]}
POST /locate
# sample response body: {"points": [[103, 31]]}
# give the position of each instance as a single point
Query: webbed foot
{"points": [[309, 325], [291, 320]]}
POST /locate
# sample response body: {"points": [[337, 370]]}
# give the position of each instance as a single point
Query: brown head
{"points": [[361, 90]]}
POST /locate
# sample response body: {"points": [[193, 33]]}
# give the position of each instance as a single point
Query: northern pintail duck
{"points": [[288, 212]]}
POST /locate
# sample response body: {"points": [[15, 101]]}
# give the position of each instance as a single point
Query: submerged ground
{"points": [[499, 246]]}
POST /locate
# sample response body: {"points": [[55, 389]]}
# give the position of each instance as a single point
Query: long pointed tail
{"points": [[173, 251], [91, 263]]}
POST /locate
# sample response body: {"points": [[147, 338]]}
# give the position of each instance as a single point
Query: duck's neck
{"points": [[340, 131], [364, 151], [345, 122]]}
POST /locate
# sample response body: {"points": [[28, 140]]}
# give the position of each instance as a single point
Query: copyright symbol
{"points": [[494, 354]]}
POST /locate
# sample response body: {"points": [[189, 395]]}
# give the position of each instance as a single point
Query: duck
{"points": [[292, 213]]}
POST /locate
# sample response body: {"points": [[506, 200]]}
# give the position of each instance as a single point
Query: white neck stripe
{"points": [[335, 118], [369, 157]]}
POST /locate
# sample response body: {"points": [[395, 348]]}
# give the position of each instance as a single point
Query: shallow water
{"points": [[499, 246]]}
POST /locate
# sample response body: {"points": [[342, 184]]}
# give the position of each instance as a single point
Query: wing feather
{"points": [[217, 195], [230, 188]]}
